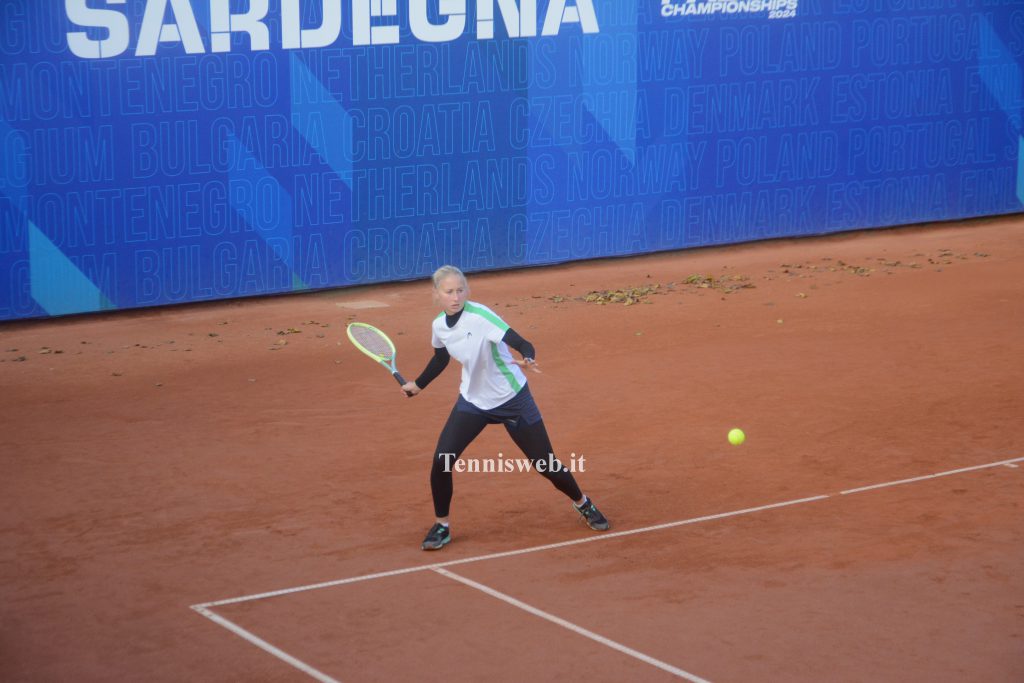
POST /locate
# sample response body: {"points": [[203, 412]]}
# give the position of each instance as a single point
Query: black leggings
{"points": [[460, 430]]}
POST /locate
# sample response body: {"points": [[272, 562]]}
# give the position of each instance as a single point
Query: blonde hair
{"points": [[444, 271]]}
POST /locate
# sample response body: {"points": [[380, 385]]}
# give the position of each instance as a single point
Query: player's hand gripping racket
{"points": [[377, 346]]}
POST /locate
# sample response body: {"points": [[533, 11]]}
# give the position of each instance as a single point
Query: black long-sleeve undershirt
{"points": [[439, 361], [436, 365], [524, 347]]}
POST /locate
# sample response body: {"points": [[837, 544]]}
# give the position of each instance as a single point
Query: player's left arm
{"points": [[525, 348]]}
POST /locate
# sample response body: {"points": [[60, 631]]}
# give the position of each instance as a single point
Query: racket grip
{"points": [[401, 381]]}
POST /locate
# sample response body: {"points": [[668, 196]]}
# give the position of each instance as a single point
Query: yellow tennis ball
{"points": [[736, 437]]}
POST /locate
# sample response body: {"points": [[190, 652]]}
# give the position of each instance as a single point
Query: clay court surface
{"points": [[158, 463]]}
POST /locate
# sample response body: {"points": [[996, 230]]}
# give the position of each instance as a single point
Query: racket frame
{"points": [[390, 365]]}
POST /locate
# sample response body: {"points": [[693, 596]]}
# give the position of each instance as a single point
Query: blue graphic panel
{"points": [[999, 71], [321, 120], [58, 285], [163, 151], [267, 210]]}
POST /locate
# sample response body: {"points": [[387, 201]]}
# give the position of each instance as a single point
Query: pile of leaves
{"points": [[841, 266], [626, 297], [636, 295], [724, 283]]}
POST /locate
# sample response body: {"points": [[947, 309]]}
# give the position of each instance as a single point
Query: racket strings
{"points": [[374, 342]]}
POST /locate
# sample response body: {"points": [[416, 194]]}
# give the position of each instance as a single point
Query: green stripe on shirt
{"points": [[505, 370], [503, 326]]}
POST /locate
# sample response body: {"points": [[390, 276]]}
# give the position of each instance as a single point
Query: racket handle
{"points": [[401, 381]]}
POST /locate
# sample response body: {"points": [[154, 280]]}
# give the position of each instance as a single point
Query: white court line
{"points": [[1007, 463], [508, 553], [264, 645], [675, 671], [204, 608], [588, 539]]}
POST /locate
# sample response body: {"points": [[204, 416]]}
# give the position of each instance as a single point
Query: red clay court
{"points": [[231, 492]]}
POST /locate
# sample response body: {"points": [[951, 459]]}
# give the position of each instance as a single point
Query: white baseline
{"points": [[205, 609]]}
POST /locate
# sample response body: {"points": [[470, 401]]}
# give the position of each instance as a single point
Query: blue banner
{"points": [[164, 151]]}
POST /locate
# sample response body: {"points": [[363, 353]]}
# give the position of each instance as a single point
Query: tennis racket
{"points": [[377, 346]]}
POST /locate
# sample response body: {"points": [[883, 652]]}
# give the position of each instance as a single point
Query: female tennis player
{"points": [[493, 391]]}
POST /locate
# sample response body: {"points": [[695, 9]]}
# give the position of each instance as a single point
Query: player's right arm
{"points": [[435, 366]]}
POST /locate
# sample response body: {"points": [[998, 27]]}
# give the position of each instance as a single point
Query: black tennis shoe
{"points": [[437, 537], [592, 516]]}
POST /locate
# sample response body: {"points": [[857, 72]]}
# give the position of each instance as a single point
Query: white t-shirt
{"points": [[489, 377]]}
